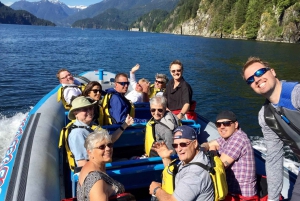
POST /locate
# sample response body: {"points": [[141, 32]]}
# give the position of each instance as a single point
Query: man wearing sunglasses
{"points": [[116, 106], [178, 92], [237, 155], [192, 183], [279, 119]]}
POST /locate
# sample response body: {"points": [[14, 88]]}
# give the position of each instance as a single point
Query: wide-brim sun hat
{"points": [[79, 102]]}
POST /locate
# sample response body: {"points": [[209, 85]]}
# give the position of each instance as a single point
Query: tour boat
{"points": [[35, 169]]}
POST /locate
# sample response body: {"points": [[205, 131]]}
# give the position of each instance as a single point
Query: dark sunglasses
{"points": [[159, 110], [102, 147], [182, 144], [159, 82], [123, 83], [225, 123], [178, 71], [258, 73], [96, 91]]}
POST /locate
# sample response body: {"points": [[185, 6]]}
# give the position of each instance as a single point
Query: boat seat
{"points": [[132, 136], [142, 110], [67, 120]]}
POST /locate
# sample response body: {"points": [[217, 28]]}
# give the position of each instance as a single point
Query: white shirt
{"points": [[70, 91], [134, 96]]}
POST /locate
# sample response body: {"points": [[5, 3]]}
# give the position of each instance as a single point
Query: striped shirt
{"points": [[240, 175]]}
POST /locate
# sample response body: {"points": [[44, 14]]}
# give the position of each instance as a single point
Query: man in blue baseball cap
{"points": [[191, 182]]}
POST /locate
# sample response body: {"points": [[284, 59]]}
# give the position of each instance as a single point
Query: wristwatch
{"points": [[155, 189]]}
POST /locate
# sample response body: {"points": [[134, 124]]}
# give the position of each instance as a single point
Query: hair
{"points": [[119, 75], [59, 71], [90, 86], [163, 77], [97, 136], [252, 60], [176, 62], [159, 100], [144, 80]]}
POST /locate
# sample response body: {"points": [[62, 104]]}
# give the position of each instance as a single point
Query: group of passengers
{"points": [[169, 103]]}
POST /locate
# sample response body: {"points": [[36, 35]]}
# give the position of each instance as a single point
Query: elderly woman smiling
{"points": [[82, 113], [94, 183], [162, 124]]}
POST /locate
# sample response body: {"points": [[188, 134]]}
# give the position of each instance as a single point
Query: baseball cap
{"points": [[187, 133], [226, 115]]}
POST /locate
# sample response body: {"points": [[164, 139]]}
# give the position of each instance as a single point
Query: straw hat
{"points": [[79, 102]]}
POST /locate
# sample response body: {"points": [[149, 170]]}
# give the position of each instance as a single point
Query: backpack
{"points": [[216, 171], [63, 142]]}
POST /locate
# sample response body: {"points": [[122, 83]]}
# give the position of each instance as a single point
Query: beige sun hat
{"points": [[79, 102]]}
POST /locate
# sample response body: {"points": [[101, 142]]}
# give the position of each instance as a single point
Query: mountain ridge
{"points": [[10, 16], [53, 10]]}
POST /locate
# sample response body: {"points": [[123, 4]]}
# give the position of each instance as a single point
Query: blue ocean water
{"points": [[30, 56]]}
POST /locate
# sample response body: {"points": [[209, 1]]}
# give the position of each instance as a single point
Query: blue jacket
{"points": [[119, 106]]}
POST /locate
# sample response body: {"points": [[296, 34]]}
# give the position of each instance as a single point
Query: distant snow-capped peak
{"points": [[81, 7], [78, 7]]}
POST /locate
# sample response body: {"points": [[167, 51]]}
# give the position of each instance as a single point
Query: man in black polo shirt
{"points": [[179, 93]]}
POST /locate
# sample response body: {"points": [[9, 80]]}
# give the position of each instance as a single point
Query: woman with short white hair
{"points": [[94, 183]]}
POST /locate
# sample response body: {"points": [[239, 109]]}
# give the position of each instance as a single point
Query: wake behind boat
{"points": [[34, 168]]}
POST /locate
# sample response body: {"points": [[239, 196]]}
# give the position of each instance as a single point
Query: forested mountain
{"points": [[110, 19], [48, 10], [270, 20], [10, 16], [150, 21], [132, 9]]}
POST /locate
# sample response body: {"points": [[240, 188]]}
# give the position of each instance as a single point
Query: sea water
{"points": [[30, 56]]}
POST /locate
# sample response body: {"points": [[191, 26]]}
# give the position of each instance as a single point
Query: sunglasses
{"points": [[258, 73], [96, 91], [225, 123], [123, 83], [102, 147], [182, 144], [66, 76], [159, 82], [159, 110], [178, 71]]}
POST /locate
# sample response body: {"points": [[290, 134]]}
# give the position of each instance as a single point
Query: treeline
{"points": [[249, 19], [115, 14], [150, 21], [10, 16], [186, 9], [110, 19]]}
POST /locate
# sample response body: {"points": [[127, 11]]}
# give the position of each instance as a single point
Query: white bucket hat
{"points": [[79, 102]]}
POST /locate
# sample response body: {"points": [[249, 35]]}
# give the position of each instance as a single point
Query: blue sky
{"points": [[68, 2]]}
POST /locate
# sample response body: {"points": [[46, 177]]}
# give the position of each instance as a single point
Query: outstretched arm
{"points": [[163, 151], [128, 121], [132, 76]]}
